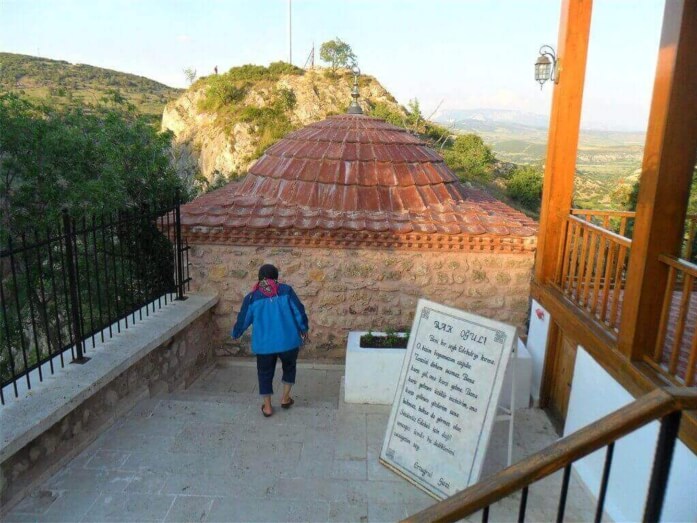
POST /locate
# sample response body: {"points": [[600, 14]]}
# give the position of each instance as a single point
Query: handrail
{"points": [[612, 236], [591, 265], [596, 212], [674, 321], [628, 214], [646, 409], [619, 221], [680, 264]]}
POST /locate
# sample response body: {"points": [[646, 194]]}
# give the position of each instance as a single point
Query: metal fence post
{"points": [[72, 279], [670, 425], [180, 251]]}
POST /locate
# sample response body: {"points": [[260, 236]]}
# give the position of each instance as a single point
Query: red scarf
{"points": [[268, 287]]}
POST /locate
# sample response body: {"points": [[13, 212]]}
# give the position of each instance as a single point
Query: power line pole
{"points": [[290, 34]]}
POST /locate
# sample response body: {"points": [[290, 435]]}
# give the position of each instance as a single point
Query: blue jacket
{"points": [[278, 321]]}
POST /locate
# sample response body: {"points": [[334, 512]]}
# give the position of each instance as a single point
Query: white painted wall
{"points": [[537, 345], [595, 394], [522, 362]]}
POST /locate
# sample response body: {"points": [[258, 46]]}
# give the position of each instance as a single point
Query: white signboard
{"points": [[446, 399]]}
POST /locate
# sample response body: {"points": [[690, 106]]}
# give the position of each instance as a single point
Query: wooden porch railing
{"points": [[591, 269], [622, 223], [676, 343], [665, 405]]}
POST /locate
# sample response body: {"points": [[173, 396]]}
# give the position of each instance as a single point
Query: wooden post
{"points": [[669, 158], [562, 144]]}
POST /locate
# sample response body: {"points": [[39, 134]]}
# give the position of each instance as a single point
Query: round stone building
{"points": [[362, 218]]}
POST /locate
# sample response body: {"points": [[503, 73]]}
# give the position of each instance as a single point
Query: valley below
{"points": [[608, 162]]}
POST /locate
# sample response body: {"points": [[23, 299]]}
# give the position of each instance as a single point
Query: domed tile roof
{"points": [[352, 180]]}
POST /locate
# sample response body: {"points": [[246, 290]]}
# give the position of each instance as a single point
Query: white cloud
{"points": [[184, 39]]}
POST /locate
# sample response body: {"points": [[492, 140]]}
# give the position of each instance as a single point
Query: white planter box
{"points": [[372, 374]]}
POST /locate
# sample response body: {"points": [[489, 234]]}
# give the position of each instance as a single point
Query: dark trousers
{"points": [[266, 367]]}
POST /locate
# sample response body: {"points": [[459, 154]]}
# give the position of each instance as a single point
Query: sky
{"points": [[466, 54]]}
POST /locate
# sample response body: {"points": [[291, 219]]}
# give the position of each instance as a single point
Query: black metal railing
{"points": [[67, 287], [663, 405]]}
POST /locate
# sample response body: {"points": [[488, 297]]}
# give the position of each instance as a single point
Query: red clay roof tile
{"points": [[355, 173]]}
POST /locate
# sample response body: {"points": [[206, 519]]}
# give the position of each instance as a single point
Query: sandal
{"points": [[265, 414], [287, 405]]}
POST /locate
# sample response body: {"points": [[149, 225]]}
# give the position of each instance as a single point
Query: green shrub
{"points": [[249, 72], [254, 73], [437, 133], [413, 121], [231, 87], [270, 124], [279, 68], [525, 186], [87, 159], [286, 99], [470, 157], [385, 112], [221, 92]]}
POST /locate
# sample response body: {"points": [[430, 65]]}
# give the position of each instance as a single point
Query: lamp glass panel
{"points": [[542, 71]]}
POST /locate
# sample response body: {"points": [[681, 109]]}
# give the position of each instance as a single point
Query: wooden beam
{"points": [[550, 358], [562, 142], [596, 340], [664, 186]]}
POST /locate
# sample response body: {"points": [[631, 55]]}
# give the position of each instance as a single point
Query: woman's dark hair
{"points": [[268, 271]]}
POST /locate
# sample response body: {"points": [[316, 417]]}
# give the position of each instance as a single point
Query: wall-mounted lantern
{"points": [[547, 66]]}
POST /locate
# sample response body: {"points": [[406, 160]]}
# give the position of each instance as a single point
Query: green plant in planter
{"points": [[391, 337], [369, 339], [390, 340]]}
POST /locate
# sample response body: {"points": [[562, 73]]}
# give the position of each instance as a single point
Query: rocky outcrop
{"points": [[209, 143]]}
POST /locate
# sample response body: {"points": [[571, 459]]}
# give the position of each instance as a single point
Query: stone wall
{"points": [[171, 366], [363, 289]]}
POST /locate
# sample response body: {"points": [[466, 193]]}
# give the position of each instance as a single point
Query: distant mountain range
{"points": [[488, 118], [474, 120]]}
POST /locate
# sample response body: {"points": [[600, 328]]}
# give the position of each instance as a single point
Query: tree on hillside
{"points": [[525, 186], [415, 115], [102, 158], [628, 198], [190, 75], [337, 53], [470, 157]]}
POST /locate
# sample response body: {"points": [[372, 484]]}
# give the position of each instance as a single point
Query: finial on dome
{"points": [[354, 108]]}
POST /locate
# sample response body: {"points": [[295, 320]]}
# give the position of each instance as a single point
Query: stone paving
{"points": [[207, 454]]}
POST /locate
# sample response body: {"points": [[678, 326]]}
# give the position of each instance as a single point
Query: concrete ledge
{"points": [[25, 418]]}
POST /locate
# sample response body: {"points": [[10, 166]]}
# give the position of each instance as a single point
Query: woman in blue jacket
{"points": [[280, 327]]}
